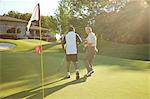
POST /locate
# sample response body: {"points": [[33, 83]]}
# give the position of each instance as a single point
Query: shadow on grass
{"points": [[37, 94]]}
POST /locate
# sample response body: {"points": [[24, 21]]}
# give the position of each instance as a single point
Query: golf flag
{"points": [[38, 50], [35, 16]]}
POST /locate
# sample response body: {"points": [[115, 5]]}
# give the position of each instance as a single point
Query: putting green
{"points": [[114, 78]]}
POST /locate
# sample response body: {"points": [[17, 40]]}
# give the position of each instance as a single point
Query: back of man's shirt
{"points": [[71, 46], [71, 40]]}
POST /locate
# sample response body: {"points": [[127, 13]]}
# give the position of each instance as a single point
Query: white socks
{"points": [[68, 73], [77, 70]]}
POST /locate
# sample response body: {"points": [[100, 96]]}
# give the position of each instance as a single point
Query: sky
{"points": [[48, 7]]}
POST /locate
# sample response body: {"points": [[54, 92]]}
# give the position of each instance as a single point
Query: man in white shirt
{"points": [[71, 40], [90, 45]]}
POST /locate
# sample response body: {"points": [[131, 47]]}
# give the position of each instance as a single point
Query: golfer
{"points": [[90, 47], [71, 39]]}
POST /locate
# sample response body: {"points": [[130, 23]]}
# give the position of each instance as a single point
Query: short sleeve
{"points": [[78, 38]]}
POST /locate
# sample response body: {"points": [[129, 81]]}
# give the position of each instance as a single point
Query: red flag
{"points": [[38, 50]]}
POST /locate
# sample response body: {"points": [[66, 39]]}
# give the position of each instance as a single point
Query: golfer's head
{"points": [[88, 29], [71, 28]]}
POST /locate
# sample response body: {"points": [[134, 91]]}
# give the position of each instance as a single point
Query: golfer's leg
{"points": [[77, 70], [68, 69], [68, 66], [91, 57], [91, 66], [76, 66], [90, 61], [87, 65], [86, 61]]}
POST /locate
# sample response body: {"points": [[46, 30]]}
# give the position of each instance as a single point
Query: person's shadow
{"points": [[31, 94]]}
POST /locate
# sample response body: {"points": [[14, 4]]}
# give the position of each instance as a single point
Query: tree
{"points": [[63, 16], [80, 13], [83, 9], [148, 2], [129, 25]]}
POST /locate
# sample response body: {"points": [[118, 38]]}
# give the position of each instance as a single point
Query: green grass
{"points": [[129, 51], [114, 78], [23, 45], [107, 48], [28, 45], [52, 48]]}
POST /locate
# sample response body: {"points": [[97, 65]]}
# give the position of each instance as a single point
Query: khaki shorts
{"points": [[72, 57]]}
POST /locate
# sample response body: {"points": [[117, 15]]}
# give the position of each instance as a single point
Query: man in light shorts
{"points": [[71, 40], [90, 45]]}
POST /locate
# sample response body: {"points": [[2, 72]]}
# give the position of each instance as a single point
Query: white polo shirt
{"points": [[91, 38], [71, 46]]}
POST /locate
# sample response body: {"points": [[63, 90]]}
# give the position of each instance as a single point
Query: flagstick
{"points": [[42, 67], [34, 17]]}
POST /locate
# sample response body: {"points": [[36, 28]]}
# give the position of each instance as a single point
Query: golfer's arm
{"points": [[63, 43], [87, 43], [63, 46], [78, 38]]}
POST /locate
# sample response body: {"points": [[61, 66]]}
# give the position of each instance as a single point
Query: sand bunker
{"points": [[5, 46]]}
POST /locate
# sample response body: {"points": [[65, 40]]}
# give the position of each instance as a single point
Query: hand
{"points": [[84, 41], [96, 49]]}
